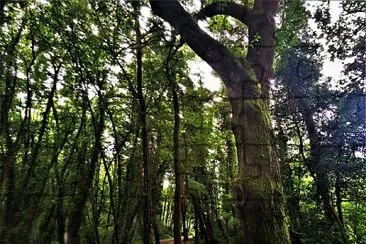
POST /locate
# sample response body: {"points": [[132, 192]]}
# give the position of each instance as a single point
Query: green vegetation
{"points": [[101, 117]]}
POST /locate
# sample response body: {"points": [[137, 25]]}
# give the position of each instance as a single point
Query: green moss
{"points": [[249, 70], [259, 86], [262, 108], [263, 187]]}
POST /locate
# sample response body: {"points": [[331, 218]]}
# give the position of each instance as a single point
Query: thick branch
{"points": [[210, 50], [237, 11]]}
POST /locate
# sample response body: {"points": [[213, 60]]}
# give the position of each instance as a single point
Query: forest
{"points": [[166, 121]]}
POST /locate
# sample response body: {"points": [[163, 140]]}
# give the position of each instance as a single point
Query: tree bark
{"points": [[87, 172], [177, 169], [147, 225], [258, 191], [315, 165], [8, 157]]}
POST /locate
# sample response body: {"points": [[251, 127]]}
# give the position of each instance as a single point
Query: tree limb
{"points": [[210, 50], [237, 11]]}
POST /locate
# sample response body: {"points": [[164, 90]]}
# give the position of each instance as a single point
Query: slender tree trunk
{"points": [[12, 212], [184, 214], [177, 169], [8, 157], [167, 216], [145, 146], [156, 229], [60, 218], [111, 200], [130, 208], [196, 229], [338, 190], [163, 212], [84, 186], [201, 228], [184, 180], [315, 164]]}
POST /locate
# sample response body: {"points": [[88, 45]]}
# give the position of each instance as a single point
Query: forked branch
{"points": [[209, 49], [237, 11]]}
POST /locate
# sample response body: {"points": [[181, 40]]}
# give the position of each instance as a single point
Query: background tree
{"points": [[307, 110]]}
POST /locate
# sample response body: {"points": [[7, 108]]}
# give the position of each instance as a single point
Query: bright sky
{"points": [[330, 68]]}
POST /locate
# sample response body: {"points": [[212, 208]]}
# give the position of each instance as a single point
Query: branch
{"points": [[209, 49], [237, 11]]}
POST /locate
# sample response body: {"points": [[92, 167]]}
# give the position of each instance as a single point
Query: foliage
{"points": [[71, 148]]}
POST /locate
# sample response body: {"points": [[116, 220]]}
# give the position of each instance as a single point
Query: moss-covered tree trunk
{"points": [[258, 191]]}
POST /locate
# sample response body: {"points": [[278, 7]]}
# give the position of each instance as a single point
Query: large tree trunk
{"points": [[258, 192]]}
